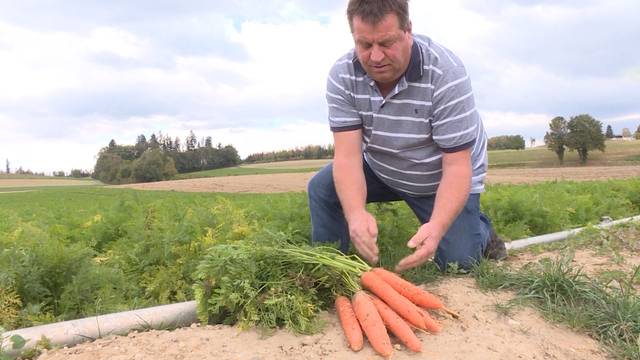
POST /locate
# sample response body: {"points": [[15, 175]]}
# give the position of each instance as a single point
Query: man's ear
{"points": [[409, 27]]}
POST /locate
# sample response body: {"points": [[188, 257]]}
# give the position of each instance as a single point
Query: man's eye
{"points": [[386, 44], [365, 46]]}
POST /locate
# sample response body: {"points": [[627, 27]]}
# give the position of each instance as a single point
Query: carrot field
{"points": [[73, 252]]}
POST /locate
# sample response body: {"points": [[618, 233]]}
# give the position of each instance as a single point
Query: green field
{"points": [[74, 251], [77, 251], [292, 164], [616, 153], [13, 185]]}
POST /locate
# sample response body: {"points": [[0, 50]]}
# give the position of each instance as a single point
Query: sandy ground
{"points": [[298, 181], [588, 261], [481, 333]]}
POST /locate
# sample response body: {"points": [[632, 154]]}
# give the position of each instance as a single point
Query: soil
{"points": [[480, 333], [274, 183], [590, 262]]}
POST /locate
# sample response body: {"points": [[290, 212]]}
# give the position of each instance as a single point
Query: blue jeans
{"points": [[464, 242]]}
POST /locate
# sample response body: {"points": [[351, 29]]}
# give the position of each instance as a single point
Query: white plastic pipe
{"points": [[518, 244], [72, 332]]}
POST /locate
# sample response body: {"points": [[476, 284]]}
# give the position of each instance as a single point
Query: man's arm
{"points": [[451, 197], [351, 187]]}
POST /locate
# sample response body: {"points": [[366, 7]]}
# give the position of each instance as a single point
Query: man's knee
{"points": [[321, 185]]}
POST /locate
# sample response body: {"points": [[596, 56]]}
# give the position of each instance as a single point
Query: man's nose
{"points": [[376, 54]]}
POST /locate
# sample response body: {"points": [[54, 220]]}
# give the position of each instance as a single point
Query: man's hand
{"points": [[363, 231], [425, 241]]}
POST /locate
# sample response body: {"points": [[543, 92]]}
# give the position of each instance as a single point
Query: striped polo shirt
{"points": [[430, 111]]}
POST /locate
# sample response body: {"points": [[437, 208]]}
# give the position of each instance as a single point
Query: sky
{"points": [[76, 74]]}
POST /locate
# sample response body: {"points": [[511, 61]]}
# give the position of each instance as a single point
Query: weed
{"points": [[563, 293]]}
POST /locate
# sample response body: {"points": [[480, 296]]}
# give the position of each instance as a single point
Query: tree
{"points": [[153, 165], [112, 144], [503, 142], [153, 142], [556, 137], [78, 173], [208, 142], [626, 133], [637, 134], [107, 168], [141, 145], [191, 142], [609, 133], [8, 169], [585, 133]]}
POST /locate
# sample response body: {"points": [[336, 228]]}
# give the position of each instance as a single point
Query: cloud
{"points": [[85, 72], [542, 56], [528, 125], [55, 14]]}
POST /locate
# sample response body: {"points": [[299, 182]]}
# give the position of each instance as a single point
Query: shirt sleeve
{"points": [[343, 115], [455, 119]]}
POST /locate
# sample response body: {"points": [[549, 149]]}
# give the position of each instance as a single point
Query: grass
{"points": [[140, 241], [563, 293], [608, 241], [616, 153], [605, 305], [8, 190], [7, 184], [290, 164], [27, 176]]}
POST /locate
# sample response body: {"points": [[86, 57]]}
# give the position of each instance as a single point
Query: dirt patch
{"points": [[481, 333], [585, 173], [14, 183], [270, 183], [591, 262], [274, 183]]}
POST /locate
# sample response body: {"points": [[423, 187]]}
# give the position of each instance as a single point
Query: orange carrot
{"points": [[412, 292], [400, 304], [372, 324], [349, 322], [430, 324], [397, 326]]}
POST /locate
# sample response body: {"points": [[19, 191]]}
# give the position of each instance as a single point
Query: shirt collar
{"points": [[414, 70]]}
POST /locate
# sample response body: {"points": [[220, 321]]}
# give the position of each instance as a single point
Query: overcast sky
{"points": [[75, 74]]}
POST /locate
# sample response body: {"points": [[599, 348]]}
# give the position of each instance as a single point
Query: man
{"points": [[405, 128]]}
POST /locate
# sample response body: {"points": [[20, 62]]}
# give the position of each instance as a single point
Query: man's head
{"points": [[381, 31]]}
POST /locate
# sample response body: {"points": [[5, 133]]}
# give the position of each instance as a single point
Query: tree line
{"points": [[74, 173], [160, 158], [305, 153], [506, 142]]}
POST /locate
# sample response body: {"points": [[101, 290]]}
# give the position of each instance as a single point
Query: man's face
{"points": [[384, 50]]}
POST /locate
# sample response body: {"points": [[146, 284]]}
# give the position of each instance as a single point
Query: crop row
{"points": [[70, 253]]}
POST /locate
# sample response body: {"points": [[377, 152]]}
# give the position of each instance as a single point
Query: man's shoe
{"points": [[495, 249]]}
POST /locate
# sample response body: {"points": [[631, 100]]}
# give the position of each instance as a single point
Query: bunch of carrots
{"points": [[391, 303]]}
